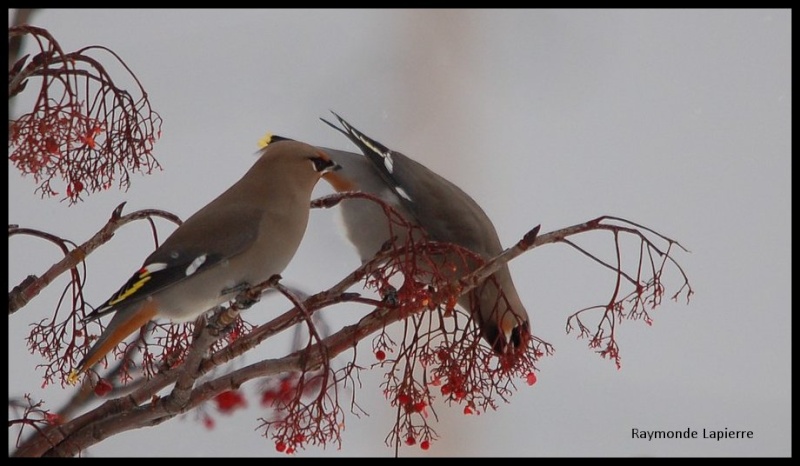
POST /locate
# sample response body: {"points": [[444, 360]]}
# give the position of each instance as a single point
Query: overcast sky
{"points": [[678, 120]]}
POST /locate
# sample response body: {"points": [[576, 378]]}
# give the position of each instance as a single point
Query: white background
{"points": [[679, 120]]}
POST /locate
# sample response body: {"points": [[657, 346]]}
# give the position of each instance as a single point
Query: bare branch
{"points": [[29, 288]]}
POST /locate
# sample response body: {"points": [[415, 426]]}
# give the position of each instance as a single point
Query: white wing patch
{"points": [[154, 267], [402, 192], [387, 161], [387, 156], [195, 264]]}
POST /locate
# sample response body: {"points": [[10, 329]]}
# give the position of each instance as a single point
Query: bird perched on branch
{"points": [[243, 237], [444, 211]]}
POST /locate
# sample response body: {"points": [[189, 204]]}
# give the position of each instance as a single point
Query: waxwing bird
{"points": [[443, 210], [243, 237]]}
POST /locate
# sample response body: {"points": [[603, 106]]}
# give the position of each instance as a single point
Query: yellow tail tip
{"points": [[73, 376]]}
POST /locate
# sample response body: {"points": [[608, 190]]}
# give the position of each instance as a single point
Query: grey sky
{"points": [[679, 120]]}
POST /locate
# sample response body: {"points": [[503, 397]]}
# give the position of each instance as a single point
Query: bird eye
{"points": [[323, 165]]}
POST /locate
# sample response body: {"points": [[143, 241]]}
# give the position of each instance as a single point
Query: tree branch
{"points": [[142, 407], [32, 286]]}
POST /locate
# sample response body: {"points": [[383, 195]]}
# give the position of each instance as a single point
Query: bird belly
{"points": [[209, 288]]}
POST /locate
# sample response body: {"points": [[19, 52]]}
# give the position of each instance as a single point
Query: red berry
{"points": [[531, 378], [268, 397], [102, 388], [425, 445], [51, 146], [229, 401], [286, 386], [380, 355]]}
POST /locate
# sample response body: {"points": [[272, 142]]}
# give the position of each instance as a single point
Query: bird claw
{"points": [[245, 295], [389, 296], [246, 299]]}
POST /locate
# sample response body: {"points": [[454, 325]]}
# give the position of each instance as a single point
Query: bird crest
{"points": [[269, 138]]}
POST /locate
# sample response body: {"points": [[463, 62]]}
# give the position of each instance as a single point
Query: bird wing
{"points": [[192, 248], [446, 212]]}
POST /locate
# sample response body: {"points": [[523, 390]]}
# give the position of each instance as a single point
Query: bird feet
{"points": [[246, 296], [389, 296]]}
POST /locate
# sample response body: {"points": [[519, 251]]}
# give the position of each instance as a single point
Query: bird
{"points": [[243, 237], [444, 211]]}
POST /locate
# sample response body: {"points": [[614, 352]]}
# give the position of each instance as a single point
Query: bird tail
{"points": [[124, 323]]}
